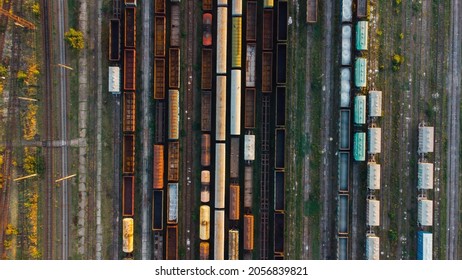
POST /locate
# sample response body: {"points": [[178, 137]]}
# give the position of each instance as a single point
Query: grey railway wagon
{"points": [[234, 158], [279, 190], [248, 186], [175, 25]]}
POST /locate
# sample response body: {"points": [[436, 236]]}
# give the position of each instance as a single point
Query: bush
{"points": [[74, 38], [3, 71]]}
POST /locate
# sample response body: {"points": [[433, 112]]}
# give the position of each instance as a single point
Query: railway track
{"points": [[6, 5], [48, 133], [265, 177]]}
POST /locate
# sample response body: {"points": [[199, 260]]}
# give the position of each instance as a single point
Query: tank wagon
{"points": [[220, 128], [160, 26], [220, 167], [235, 121], [129, 112], [222, 31], [204, 251], [205, 184], [268, 3], [236, 48], [219, 235], [157, 210], [347, 10], [204, 227], [127, 235], [114, 40], [128, 194]]}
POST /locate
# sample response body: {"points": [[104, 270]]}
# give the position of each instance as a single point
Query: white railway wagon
{"points": [[220, 132], [204, 227], [220, 167], [172, 203], [219, 236], [235, 102], [250, 65], [222, 35], [237, 8]]}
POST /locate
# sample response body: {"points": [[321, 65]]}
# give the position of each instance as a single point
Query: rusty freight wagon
{"points": [[251, 26], [128, 146], [234, 202], [173, 114], [128, 195], [159, 136], [206, 111], [205, 150], [157, 210], [267, 72], [129, 112], [204, 251], [159, 36], [249, 104], [174, 68], [267, 29], [172, 243], [248, 232], [159, 78], [173, 161], [207, 5], [175, 25], [233, 244], [248, 187], [207, 71], [158, 167], [130, 70], [130, 27], [160, 6], [114, 40], [311, 11]]}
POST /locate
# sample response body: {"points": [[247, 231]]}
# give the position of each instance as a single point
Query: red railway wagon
{"points": [[174, 68], [129, 112], [206, 77], [249, 104], [172, 243], [160, 7], [114, 40], [267, 29], [130, 27], [128, 146], [206, 111], [159, 35], [158, 167], [159, 78], [251, 26], [128, 195], [267, 72], [173, 161], [130, 70]]}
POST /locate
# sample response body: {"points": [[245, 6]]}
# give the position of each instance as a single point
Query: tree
{"points": [[3, 71], [36, 9], [74, 38]]}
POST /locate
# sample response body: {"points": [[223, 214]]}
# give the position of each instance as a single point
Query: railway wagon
{"points": [[173, 114], [130, 70], [374, 140], [281, 106], [248, 232], [207, 71], [251, 26], [249, 104], [268, 3], [205, 184], [130, 2], [360, 110], [207, 5], [219, 235], [359, 146], [279, 190], [344, 171], [248, 187], [172, 203], [114, 40], [281, 67], [250, 64], [220, 128], [204, 222], [130, 27], [158, 167], [280, 148], [236, 47], [311, 11], [160, 27], [236, 8], [282, 21], [129, 112], [234, 162], [127, 235], [267, 72], [347, 32], [172, 243], [160, 7], [222, 3], [344, 131], [222, 32], [279, 233], [174, 68], [345, 87], [362, 35], [235, 122], [204, 251], [220, 167], [233, 244], [159, 136], [361, 8], [159, 78], [343, 210], [157, 210], [128, 147], [342, 246], [173, 161], [249, 147], [205, 150], [175, 26], [234, 202], [347, 10], [267, 30], [361, 72], [128, 195], [206, 111]]}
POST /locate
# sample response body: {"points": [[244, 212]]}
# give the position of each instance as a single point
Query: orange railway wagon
{"points": [[268, 29], [248, 232], [249, 114], [172, 243], [207, 5], [206, 77], [128, 194], [128, 146], [206, 111], [158, 167], [160, 7], [174, 68], [130, 27], [159, 36], [204, 251], [129, 112], [129, 70], [205, 150], [267, 72], [234, 194], [159, 78], [173, 161]]}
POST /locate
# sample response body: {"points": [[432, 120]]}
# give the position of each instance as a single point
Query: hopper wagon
{"points": [[207, 71], [206, 111], [234, 159], [173, 114], [205, 150], [234, 202], [174, 68], [173, 161], [248, 187], [248, 232], [129, 112], [207, 5], [128, 147], [160, 7], [251, 26], [267, 72], [159, 78], [236, 46], [233, 244], [130, 27], [172, 243], [249, 112], [127, 235], [129, 69], [159, 35], [158, 167]]}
